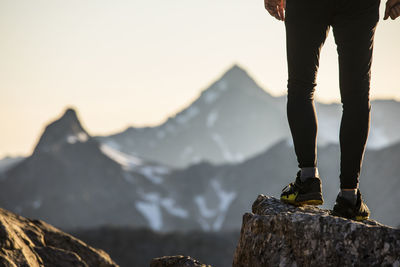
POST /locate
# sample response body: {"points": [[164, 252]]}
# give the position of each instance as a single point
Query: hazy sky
{"points": [[132, 62]]}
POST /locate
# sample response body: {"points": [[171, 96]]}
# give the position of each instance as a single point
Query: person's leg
{"points": [[306, 30], [354, 26]]}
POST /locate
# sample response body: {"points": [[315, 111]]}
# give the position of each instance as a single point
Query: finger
{"points": [[387, 11], [390, 4], [280, 12], [270, 11], [273, 11], [282, 9], [395, 12]]}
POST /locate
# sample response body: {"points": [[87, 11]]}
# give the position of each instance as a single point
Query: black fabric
{"points": [[307, 25]]}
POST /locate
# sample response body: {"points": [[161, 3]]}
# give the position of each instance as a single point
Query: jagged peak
{"points": [[235, 79], [234, 71], [70, 112], [66, 129]]}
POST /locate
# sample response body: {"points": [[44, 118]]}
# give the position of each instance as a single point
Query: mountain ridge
{"points": [[235, 118]]}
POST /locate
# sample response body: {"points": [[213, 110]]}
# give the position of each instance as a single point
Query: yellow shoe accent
{"points": [[291, 198], [361, 218]]}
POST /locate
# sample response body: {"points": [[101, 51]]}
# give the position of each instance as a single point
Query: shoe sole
{"points": [[361, 218], [314, 199], [356, 218]]}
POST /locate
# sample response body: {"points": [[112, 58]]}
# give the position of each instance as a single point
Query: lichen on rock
{"points": [[277, 234]]}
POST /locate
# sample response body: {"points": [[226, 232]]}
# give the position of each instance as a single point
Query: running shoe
{"points": [[346, 209], [301, 193]]}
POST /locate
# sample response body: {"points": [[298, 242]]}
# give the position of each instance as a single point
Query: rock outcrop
{"points": [[176, 261], [276, 234], [25, 242]]}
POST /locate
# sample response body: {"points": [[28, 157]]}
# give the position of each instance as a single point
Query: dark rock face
{"points": [[176, 261], [66, 129], [68, 169], [25, 242], [276, 234]]}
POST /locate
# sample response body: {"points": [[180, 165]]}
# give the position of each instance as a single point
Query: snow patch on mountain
{"points": [[128, 162], [226, 199], [79, 137], [151, 205], [153, 173], [151, 211], [218, 212], [210, 96], [212, 118], [223, 147], [222, 85], [171, 207], [111, 143], [204, 210]]}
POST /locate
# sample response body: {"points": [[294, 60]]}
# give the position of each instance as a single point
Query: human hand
{"points": [[276, 8], [392, 9]]}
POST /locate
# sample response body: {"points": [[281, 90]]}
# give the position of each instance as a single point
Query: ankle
{"points": [[308, 172], [349, 194]]}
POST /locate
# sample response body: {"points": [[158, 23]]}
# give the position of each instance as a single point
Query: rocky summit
{"points": [[25, 242], [277, 234]]}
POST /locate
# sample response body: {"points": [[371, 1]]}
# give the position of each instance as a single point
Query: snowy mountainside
{"points": [[84, 183], [73, 181], [234, 119], [231, 120]]}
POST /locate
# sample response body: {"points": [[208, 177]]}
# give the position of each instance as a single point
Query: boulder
{"points": [[26, 242], [277, 234]]}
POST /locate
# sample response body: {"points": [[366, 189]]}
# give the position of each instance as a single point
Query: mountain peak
{"points": [[66, 129], [70, 118], [236, 72], [235, 81], [70, 112]]}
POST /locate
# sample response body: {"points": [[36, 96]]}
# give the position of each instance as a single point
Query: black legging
{"points": [[307, 25]]}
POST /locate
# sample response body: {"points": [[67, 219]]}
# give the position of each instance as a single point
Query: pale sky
{"points": [[130, 62]]}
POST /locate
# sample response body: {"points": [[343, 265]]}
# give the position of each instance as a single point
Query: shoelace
{"points": [[287, 189]]}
